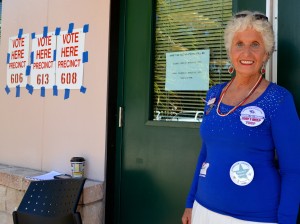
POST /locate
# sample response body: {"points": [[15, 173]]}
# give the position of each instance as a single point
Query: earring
{"points": [[263, 69], [230, 69]]}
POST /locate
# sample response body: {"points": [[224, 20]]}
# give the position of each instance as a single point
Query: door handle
{"points": [[121, 114]]}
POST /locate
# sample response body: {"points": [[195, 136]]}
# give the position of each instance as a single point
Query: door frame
{"points": [[112, 111]]}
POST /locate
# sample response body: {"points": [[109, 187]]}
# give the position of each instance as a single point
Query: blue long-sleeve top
{"points": [[257, 191]]}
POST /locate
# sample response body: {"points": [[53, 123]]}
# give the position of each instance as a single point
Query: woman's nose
{"points": [[247, 50]]}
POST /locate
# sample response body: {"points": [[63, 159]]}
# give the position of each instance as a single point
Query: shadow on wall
{"points": [[288, 66]]}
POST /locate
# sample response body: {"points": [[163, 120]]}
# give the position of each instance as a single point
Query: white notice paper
{"points": [[47, 176], [187, 70]]}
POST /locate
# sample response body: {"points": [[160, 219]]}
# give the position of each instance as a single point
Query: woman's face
{"points": [[248, 52]]}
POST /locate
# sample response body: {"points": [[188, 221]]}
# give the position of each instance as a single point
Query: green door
{"points": [[155, 159]]}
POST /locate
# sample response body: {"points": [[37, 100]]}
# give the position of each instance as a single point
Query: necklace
{"points": [[240, 103]]}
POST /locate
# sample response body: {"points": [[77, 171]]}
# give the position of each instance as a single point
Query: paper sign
{"points": [[187, 70], [17, 60], [69, 65], [43, 64]]}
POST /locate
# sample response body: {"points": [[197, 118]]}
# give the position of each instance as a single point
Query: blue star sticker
{"points": [[242, 173]]}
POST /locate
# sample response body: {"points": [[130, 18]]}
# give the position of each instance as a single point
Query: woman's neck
{"points": [[244, 82]]}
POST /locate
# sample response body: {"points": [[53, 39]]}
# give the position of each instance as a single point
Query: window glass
{"points": [[185, 27]]}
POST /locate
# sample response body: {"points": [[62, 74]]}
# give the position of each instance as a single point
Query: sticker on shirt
{"points": [[252, 116], [204, 169], [211, 104], [241, 173], [211, 101]]}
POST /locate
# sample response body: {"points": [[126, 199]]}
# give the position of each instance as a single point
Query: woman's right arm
{"points": [[187, 215], [191, 196]]}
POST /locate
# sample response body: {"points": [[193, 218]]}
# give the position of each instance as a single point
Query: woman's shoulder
{"points": [[276, 97], [217, 88], [277, 91]]}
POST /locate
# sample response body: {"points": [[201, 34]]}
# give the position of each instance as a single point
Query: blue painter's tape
{"points": [[85, 57], [31, 57], [55, 91], [20, 33], [45, 32], [71, 27], [7, 89], [54, 55], [86, 28], [82, 89], [33, 36], [43, 91], [28, 69], [67, 94], [29, 88], [18, 91], [8, 58], [57, 31]]}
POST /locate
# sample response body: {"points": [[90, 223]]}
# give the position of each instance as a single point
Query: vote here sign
{"points": [[69, 65], [17, 60], [43, 61]]}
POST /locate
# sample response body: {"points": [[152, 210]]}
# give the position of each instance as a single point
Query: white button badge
{"points": [[252, 116], [241, 173]]}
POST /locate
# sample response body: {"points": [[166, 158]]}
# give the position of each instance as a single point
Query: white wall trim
{"points": [[272, 13]]}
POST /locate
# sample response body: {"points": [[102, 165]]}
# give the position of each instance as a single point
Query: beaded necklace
{"points": [[241, 103]]}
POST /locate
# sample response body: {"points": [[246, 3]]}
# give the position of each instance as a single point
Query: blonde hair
{"points": [[249, 19]]}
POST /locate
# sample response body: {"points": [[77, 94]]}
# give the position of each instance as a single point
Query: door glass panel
{"points": [[188, 27]]}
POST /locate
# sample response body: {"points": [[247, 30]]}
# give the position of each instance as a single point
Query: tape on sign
{"points": [[29, 88], [43, 92], [8, 58], [18, 91], [85, 57], [20, 33], [7, 89], [28, 69], [57, 31], [55, 91], [45, 31], [71, 27], [67, 94], [32, 57], [54, 55], [82, 89], [86, 28]]}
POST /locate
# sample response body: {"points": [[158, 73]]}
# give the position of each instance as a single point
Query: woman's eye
{"points": [[255, 45], [239, 44]]}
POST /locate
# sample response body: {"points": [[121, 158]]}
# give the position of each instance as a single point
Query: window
{"points": [[188, 25]]}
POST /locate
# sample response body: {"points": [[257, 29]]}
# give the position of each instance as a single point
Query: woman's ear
{"points": [[266, 57]]}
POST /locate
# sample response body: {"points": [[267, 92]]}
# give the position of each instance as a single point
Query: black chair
{"points": [[51, 202]]}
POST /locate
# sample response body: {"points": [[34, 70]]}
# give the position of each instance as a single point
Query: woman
{"points": [[246, 120]]}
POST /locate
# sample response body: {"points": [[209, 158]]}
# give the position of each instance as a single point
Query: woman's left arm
{"points": [[286, 134]]}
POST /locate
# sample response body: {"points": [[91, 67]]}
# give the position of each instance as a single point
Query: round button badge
{"points": [[252, 116], [241, 173]]}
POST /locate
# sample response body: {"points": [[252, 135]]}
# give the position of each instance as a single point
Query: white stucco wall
{"points": [[45, 132]]}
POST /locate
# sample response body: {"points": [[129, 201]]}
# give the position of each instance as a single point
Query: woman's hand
{"points": [[187, 216]]}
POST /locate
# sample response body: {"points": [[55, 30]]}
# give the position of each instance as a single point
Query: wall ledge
{"points": [[14, 177]]}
